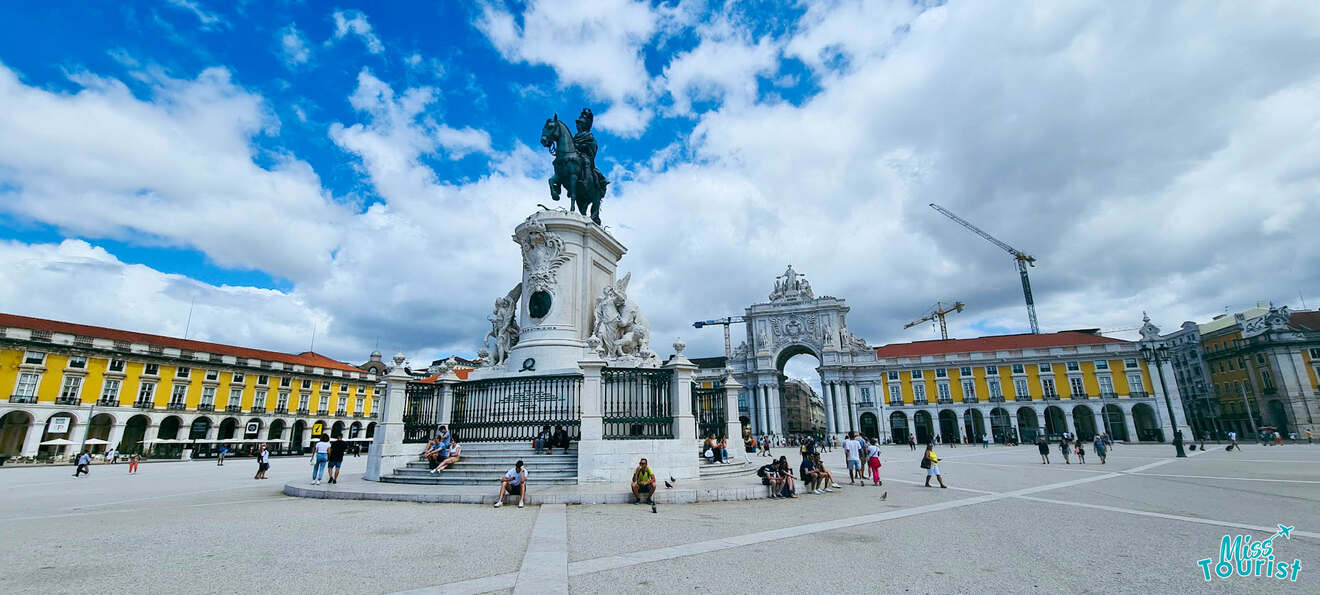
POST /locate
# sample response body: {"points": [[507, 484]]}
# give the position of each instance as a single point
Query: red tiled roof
{"points": [[306, 358], [1308, 319], [993, 343], [462, 374]]}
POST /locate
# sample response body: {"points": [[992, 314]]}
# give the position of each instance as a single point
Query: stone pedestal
{"points": [[567, 262], [387, 450]]}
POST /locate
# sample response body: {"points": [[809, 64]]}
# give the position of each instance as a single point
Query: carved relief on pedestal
{"points": [[795, 328], [543, 254]]}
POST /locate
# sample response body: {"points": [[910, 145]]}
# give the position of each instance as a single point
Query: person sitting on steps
{"points": [[454, 451], [513, 482], [643, 482]]}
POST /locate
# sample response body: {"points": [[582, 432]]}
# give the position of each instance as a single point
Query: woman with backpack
{"points": [[931, 463]]}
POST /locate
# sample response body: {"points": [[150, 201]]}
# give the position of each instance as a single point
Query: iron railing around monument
{"points": [[421, 412], [636, 404], [708, 407], [514, 409]]}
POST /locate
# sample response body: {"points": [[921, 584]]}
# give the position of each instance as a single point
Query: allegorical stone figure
{"points": [[620, 326], [575, 163], [504, 326]]}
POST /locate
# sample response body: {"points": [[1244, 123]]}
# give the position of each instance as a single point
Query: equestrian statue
{"points": [[575, 163]]}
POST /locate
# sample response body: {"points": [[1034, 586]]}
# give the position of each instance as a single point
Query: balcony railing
{"points": [[1138, 394], [107, 402], [944, 400], [1022, 398], [23, 398], [206, 407], [921, 401], [176, 406], [1051, 397], [1081, 397], [866, 403], [895, 402], [234, 408], [67, 401], [1108, 395], [258, 410], [282, 410], [341, 412], [144, 404], [372, 415], [359, 414], [999, 399], [320, 412], [303, 411]]}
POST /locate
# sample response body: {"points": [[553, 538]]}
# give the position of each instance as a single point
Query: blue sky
{"points": [[357, 167]]}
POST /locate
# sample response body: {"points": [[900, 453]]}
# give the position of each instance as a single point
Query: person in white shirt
{"points": [[454, 451], [853, 453], [513, 482], [320, 458]]}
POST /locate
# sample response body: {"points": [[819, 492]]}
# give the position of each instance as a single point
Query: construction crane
{"points": [[726, 321], [1023, 259], [938, 313]]}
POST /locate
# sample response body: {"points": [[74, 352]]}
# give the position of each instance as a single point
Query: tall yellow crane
{"points": [[1023, 259], [938, 313]]}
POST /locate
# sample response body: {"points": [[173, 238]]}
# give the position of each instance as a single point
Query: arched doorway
{"points": [[199, 428], [169, 428], [337, 429], [1112, 417], [1279, 415], [1001, 425], [371, 430], [801, 363], [1143, 417], [228, 429], [870, 426], [974, 424], [58, 426], [1055, 422], [134, 432], [1084, 419], [13, 429], [297, 440], [1028, 426], [924, 427], [355, 431], [276, 428], [99, 428], [898, 427], [949, 426]]}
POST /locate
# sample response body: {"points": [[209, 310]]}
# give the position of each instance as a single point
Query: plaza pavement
{"points": [[1007, 524]]}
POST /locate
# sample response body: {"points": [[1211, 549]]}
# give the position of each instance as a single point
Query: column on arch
{"points": [[763, 395], [776, 410], [829, 406], [1127, 423], [32, 441]]}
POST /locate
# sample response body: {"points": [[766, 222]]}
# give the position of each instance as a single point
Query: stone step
{"points": [[708, 470], [510, 446], [484, 477], [433, 480], [513, 456], [498, 467]]}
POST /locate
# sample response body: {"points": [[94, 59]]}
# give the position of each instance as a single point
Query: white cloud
{"points": [[176, 171], [354, 22], [293, 46], [723, 67], [208, 19], [594, 45]]}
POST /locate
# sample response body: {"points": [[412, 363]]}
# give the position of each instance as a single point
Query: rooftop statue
{"points": [[575, 163]]}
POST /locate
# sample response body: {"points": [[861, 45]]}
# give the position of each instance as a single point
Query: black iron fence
{"points": [[513, 409], [636, 404], [421, 412], [708, 407]]}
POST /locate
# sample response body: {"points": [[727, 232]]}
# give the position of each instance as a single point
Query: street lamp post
{"points": [[1159, 355]]}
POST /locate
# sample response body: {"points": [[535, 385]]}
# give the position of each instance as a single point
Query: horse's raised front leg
{"points": [[595, 211], [554, 187], [573, 196]]}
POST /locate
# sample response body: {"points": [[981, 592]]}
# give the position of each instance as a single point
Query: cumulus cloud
{"points": [[179, 170], [595, 45], [354, 22], [208, 19], [293, 46]]}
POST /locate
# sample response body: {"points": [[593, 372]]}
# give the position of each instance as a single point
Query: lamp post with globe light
{"points": [[1159, 354]]}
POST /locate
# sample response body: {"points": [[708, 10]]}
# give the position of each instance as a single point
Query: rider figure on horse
{"points": [[585, 142]]}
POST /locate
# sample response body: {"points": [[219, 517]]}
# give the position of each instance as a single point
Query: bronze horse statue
{"points": [[573, 170]]}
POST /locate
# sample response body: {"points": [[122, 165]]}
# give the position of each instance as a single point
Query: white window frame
{"points": [[1130, 364], [31, 386], [208, 396], [1047, 388], [893, 375], [1102, 364], [895, 393], [324, 403], [941, 372], [969, 389], [40, 357], [1073, 366], [307, 384], [343, 403], [146, 393], [213, 375], [942, 391], [259, 398], [1136, 383], [996, 388], [183, 372], [1020, 388], [992, 370], [1076, 385], [110, 388], [179, 394], [286, 382], [71, 387], [1106, 385], [919, 391], [235, 397], [1019, 369], [1045, 368], [77, 362], [325, 385], [263, 380], [117, 365], [358, 404], [282, 400], [150, 369], [238, 378]]}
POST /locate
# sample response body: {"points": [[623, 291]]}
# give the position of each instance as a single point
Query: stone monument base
{"points": [[613, 461]]}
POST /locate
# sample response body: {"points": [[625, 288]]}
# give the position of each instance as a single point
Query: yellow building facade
{"points": [[132, 391]]}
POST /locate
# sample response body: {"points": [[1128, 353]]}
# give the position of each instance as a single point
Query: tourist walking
{"points": [[1044, 448], [335, 458], [852, 453], [873, 461], [1063, 449], [84, 462], [1232, 442], [112, 456], [514, 482], [1081, 453], [985, 440], [263, 462], [220, 458], [1100, 449], [132, 464], [931, 463], [912, 441], [320, 455]]}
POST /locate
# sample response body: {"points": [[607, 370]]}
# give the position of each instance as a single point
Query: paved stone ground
{"points": [[1007, 523]]}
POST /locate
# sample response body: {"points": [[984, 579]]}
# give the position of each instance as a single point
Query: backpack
{"points": [[762, 471]]}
